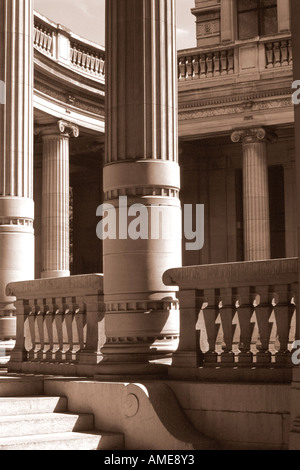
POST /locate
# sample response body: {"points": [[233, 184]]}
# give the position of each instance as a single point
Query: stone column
{"points": [[141, 165], [55, 199], [16, 155], [284, 15], [290, 202], [227, 20], [255, 192]]}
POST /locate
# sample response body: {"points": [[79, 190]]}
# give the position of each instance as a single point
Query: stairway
{"points": [[44, 423]]}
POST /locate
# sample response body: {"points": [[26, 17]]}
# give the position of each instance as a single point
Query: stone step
{"points": [[15, 406], [44, 423], [65, 441]]}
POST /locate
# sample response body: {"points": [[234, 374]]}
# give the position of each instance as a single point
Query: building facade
{"points": [[98, 138]]}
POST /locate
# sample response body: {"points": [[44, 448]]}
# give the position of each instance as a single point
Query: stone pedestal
{"points": [[55, 199], [16, 156], [255, 192], [141, 169]]}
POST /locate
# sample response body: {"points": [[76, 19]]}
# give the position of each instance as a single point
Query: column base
{"points": [[54, 274]]}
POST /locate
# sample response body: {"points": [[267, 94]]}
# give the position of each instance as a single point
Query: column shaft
{"points": [[16, 153], [256, 202], [255, 193], [142, 166], [55, 203]]}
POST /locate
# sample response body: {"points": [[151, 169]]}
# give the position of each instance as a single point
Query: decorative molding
{"points": [[208, 28], [142, 191], [19, 221], [135, 306], [68, 99]]}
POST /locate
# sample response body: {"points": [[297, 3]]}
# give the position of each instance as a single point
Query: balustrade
{"points": [[43, 39], [279, 53], [59, 323], [237, 314], [206, 64]]}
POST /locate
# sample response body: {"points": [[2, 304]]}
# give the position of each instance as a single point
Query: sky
{"points": [[86, 18]]}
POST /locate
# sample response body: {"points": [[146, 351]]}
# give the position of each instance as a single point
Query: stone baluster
{"points": [[189, 68], [224, 63], [210, 313], [34, 338], [209, 64], [277, 54], [188, 353], [283, 311], [20, 353], [80, 319], [202, 66], [230, 58], [227, 311], [269, 55], [39, 326], [69, 320], [95, 335], [244, 312], [263, 309], [49, 323], [284, 53], [216, 64], [196, 65], [182, 68], [290, 49], [59, 310]]}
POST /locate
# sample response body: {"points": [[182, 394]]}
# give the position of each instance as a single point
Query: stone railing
{"points": [[251, 56], [205, 64], [60, 325], [239, 316], [279, 53], [43, 38], [87, 60], [68, 49]]}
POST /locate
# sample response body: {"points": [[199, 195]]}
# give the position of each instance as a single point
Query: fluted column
{"points": [[141, 165], [16, 154], [255, 192], [55, 199]]}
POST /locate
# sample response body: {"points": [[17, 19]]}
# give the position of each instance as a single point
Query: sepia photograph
{"points": [[149, 228]]}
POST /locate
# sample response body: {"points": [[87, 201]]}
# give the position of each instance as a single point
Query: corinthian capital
{"points": [[253, 135]]}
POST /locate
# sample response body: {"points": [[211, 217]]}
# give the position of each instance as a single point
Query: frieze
{"points": [[65, 98], [236, 109]]}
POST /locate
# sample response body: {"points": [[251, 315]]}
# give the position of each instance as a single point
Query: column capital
{"points": [[60, 128], [253, 135]]}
